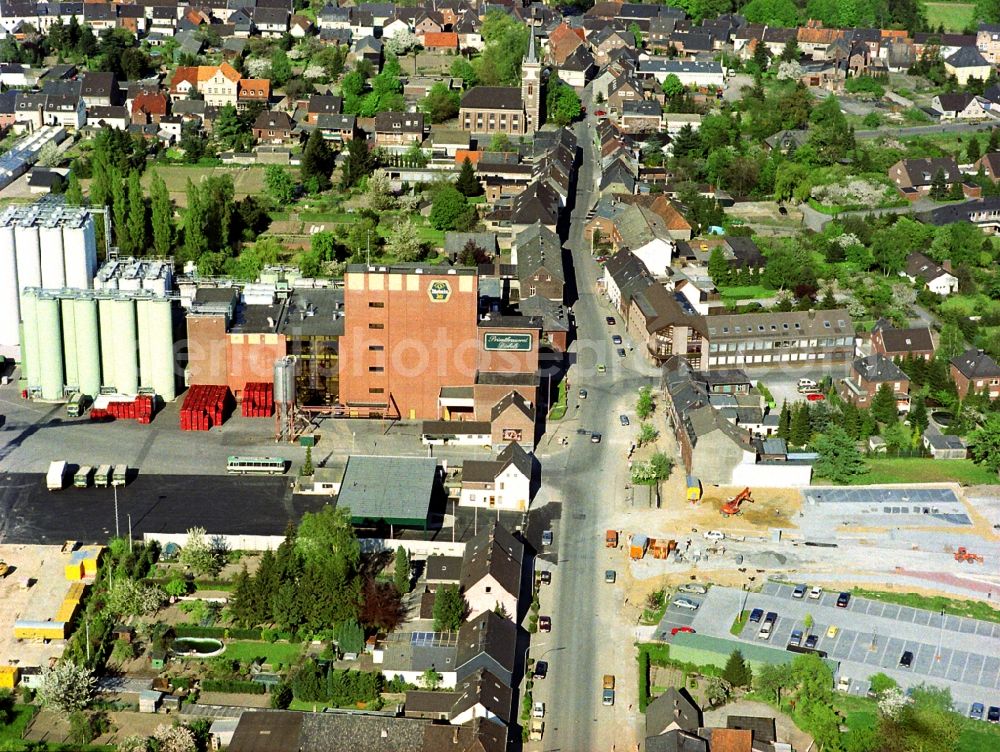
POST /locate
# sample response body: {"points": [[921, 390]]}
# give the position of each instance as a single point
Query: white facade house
{"points": [[491, 572], [503, 484], [656, 255], [690, 72]]}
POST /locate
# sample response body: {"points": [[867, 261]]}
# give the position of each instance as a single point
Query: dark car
{"points": [[616, 339], [843, 599], [621, 352], [756, 614], [545, 576], [799, 591], [811, 641], [595, 438], [772, 616], [610, 320], [993, 714], [906, 659], [541, 669], [976, 711], [544, 623]]}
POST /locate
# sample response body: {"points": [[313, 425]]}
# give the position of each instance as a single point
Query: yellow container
{"points": [[9, 676], [74, 571], [66, 611], [45, 630], [76, 591]]}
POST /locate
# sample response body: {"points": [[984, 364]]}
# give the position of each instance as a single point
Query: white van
{"points": [[807, 384]]}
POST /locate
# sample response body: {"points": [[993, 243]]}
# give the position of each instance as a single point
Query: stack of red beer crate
{"points": [[258, 399], [204, 407], [139, 409]]}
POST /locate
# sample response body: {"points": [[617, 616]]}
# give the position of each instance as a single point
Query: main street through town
{"points": [[587, 479]]}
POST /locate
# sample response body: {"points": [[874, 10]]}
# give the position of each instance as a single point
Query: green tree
{"points": [[791, 49], [987, 11], [404, 242], [162, 211], [717, 691], [785, 422], [281, 68], [896, 437], [358, 164], [972, 149], [737, 671], [661, 466], [431, 679], [505, 41], [226, 128], [880, 682], [647, 434], [467, 183], [984, 443], [718, 267], [74, 191], [839, 459], [279, 184], [66, 687], [119, 209], [499, 142], [918, 415], [939, 186], [636, 32], [884, 407], [401, 570], [441, 103], [195, 241], [672, 87], [449, 210], [562, 105], [136, 215], [831, 136], [644, 406], [450, 609], [772, 13], [800, 431], [318, 161], [761, 57], [772, 679], [462, 68]]}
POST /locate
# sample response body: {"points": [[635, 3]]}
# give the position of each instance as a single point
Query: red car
{"points": [[675, 630], [815, 397], [600, 113], [544, 624]]}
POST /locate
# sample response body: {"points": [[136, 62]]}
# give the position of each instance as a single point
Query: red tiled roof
{"points": [[441, 40]]}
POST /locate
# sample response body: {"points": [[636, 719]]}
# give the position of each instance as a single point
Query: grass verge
{"points": [[272, 652], [924, 470], [972, 609], [739, 622], [20, 717], [558, 411]]}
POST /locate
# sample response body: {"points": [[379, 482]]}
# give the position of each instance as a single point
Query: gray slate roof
{"points": [[878, 368]]}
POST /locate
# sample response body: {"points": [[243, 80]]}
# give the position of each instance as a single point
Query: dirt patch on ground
{"points": [[247, 180]]}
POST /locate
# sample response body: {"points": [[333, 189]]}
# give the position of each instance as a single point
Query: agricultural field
{"points": [[248, 181], [953, 16]]}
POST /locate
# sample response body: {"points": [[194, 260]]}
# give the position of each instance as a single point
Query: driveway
{"points": [[787, 731], [816, 220]]}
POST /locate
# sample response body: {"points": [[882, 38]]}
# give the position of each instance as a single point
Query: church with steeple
{"points": [[486, 110]]}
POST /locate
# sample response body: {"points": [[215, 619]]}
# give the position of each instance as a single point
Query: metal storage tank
{"points": [[125, 346], [10, 306], [90, 247], [50, 241], [289, 387], [68, 311], [29, 342], [50, 350], [279, 381], [106, 319], [161, 347], [88, 347], [29, 262], [145, 353], [79, 272]]}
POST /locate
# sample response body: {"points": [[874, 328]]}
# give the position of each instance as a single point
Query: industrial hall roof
{"points": [[393, 490]]}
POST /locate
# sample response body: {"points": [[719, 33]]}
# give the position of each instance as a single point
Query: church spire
{"points": [[532, 59]]}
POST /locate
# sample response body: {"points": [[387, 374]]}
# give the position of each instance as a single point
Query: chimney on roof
{"points": [[946, 265], [454, 735], [812, 313]]}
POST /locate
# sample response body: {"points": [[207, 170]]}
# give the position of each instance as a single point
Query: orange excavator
{"points": [[732, 506], [964, 554]]}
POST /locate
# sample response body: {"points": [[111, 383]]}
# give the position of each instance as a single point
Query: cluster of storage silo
{"points": [[131, 274], [43, 245], [92, 341]]}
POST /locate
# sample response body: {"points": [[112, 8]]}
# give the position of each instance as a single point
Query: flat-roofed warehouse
{"points": [[394, 491]]}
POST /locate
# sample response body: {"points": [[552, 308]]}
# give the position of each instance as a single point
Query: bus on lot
{"points": [[255, 465]]}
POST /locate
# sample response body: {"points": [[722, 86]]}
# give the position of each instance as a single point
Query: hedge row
{"points": [[233, 686], [235, 633]]}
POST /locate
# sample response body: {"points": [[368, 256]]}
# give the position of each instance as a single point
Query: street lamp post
{"points": [[117, 531]]}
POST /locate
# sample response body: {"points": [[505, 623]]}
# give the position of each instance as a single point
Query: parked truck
{"points": [[82, 477], [102, 478], [637, 546], [611, 539], [56, 475], [120, 475], [76, 405]]}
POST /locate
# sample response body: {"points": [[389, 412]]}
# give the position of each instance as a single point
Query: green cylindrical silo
{"points": [[145, 353], [88, 346], [105, 315], [126, 347], [161, 347], [69, 342], [30, 363], [50, 347]]}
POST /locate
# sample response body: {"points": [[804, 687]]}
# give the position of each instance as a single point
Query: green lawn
{"points": [[924, 470], [739, 622], [746, 291], [558, 410], [979, 739], [272, 652], [21, 717], [954, 16], [972, 609]]}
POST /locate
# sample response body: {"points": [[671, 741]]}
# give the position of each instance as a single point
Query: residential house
{"points": [[643, 116], [273, 127], [936, 277], [482, 695], [399, 128], [488, 642], [492, 569], [662, 325], [624, 275], [644, 232], [148, 107], [337, 128], [966, 63], [446, 41], [990, 165], [678, 227], [270, 22], [982, 212], [563, 41], [606, 40], [219, 85], [469, 34], [895, 343], [914, 177], [300, 27], [578, 68], [960, 106], [988, 42], [512, 418], [501, 484], [253, 91], [690, 72], [554, 317], [975, 370], [619, 176], [322, 104], [99, 88], [108, 116], [674, 709], [944, 446], [537, 252], [868, 375], [623, 88], [743, 253], [785, 141]]}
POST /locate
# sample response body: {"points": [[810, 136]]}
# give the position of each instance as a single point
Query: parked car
{"points": [[623, 419], [832, 631], [541, 669], [600, 113], [609, 576], [764, 633], [621, 352], [546, 537], [815, 593], [582, 394], [806, 384], [976, 711], [843, 599], [799, 591], [595, 438], [538, 710], [687, 603], [906, 659], [601, 368], [677, 630], [815, 397], [993, 714], [608, 690], [545, 577], [844, 684], [796, 638], [544, 623], [811, 641], [616, 339], [693, 587], [610, 320], [715, 535], [756, 615]]}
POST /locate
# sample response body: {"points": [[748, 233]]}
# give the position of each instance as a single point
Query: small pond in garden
{"points": [[942, 417], [198, 647]]}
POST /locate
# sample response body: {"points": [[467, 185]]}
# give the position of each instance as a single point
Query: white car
{"points": [[715, 535], [685, 603], [693, 587], [538, 711], [815, 593]]}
